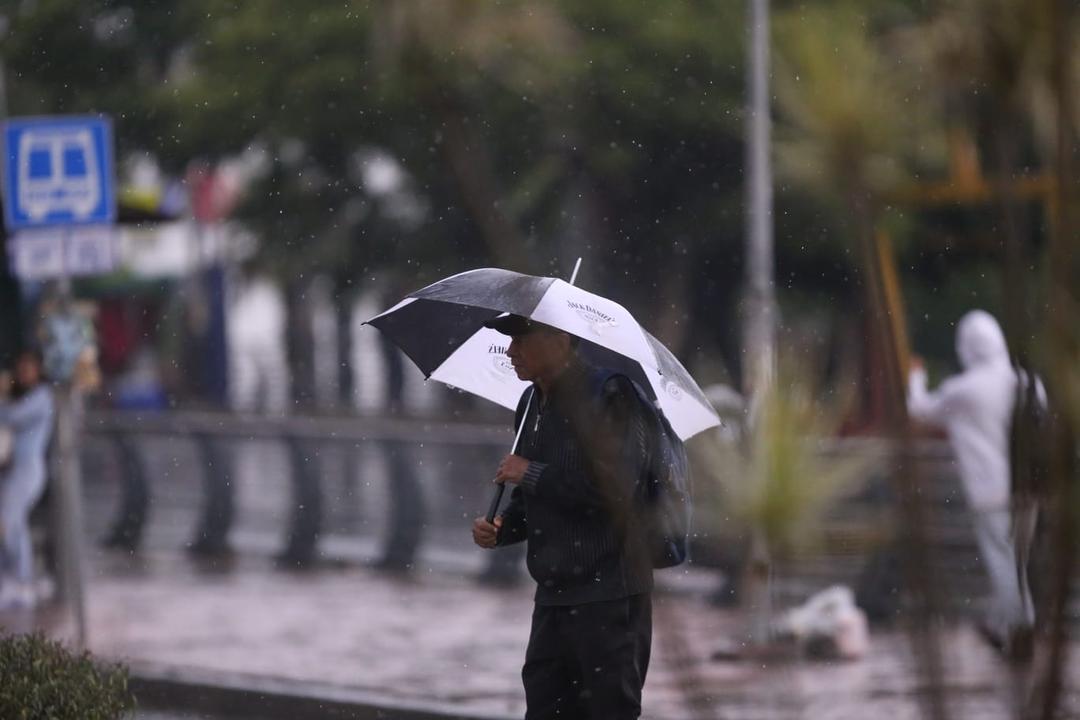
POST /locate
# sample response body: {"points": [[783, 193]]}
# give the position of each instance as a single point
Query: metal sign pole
{"points": [[69, 510], [69, 506]]}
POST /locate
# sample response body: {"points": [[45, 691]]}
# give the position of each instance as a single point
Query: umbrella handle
{"points": [[493, 509]]}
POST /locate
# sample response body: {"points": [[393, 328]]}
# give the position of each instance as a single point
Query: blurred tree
{"points": [[532, 134], [602, 129], [853, 127], [777, 488], [853, 131], [462, 59], [108, 56], [991, 64], [1010, 71], [654, 135], [527, 134]]}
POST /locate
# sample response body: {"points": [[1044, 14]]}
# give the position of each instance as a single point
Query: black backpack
{"points": [[1030, 441], [667, 502]]}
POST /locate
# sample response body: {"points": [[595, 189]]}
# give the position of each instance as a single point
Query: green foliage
{"points": [[628, 113], [472, 46], [603, 128], [779, 485], [95, 56], [41, 680], [853, 120], [275, 70], [638, 103]]}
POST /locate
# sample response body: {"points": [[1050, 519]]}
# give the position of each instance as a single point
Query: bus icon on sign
{"points": [[58, 171]]}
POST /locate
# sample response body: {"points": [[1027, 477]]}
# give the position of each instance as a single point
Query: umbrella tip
{"points": [[573, 275]]}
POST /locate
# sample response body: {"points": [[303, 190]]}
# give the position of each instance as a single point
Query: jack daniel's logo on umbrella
{"points": [[598, 320], [499, 362]]}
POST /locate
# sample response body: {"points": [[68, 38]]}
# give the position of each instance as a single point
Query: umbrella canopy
{"points": [[440, 328]]}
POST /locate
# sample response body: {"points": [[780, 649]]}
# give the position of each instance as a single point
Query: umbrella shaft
{"points": [[494, 509]]}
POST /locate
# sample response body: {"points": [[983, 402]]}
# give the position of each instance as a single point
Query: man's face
{"points": [[538, 353]]}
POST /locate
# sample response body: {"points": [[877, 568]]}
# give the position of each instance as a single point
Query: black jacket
{"points": [[577, 503]]}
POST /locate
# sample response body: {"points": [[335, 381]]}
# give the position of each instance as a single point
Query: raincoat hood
{"points": [[979, 340]]}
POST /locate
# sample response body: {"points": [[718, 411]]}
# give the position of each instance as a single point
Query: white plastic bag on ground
{"points": [[828, 625]]}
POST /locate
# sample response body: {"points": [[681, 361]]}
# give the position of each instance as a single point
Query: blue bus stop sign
{"points": [[58, 171]]}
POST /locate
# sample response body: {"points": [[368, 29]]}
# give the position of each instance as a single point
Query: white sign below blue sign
{"points": [[58, 171], [63, 251]]}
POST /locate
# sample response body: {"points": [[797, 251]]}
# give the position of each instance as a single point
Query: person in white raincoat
{"points": [[975, 408]]}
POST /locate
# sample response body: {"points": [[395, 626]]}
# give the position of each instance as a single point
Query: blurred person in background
{"points": [[975, 408], [29, 415], [259, 378]]}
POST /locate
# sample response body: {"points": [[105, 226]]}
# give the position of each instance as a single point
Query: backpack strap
{"points": [[650, 414], [599, 377]]}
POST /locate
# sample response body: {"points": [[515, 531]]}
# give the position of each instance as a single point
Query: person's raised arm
{"points": [[923, 405]]}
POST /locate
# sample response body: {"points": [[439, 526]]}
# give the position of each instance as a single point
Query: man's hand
{"points": [[511, 469], [484, 533]]}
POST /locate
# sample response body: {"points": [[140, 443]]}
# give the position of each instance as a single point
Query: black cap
{"points": [[509, 324]]}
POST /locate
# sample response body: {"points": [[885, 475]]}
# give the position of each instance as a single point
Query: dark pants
{"points": [[588, 661]]}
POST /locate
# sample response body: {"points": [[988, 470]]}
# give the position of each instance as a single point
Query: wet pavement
{"points": [[438, 640], [434, 639]]}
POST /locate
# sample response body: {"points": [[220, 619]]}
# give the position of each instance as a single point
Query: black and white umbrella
{"points": [[441, 329]]}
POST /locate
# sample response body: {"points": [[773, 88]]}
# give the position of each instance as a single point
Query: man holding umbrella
{"points": [[600, 484], [575, 475]]}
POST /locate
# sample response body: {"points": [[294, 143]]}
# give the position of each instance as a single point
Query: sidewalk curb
{"points": [[245, 697]]}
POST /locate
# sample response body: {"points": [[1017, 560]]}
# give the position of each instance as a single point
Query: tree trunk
{"points": [[905, 475], [468, 160], [1064, 360], [757, 591]]}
